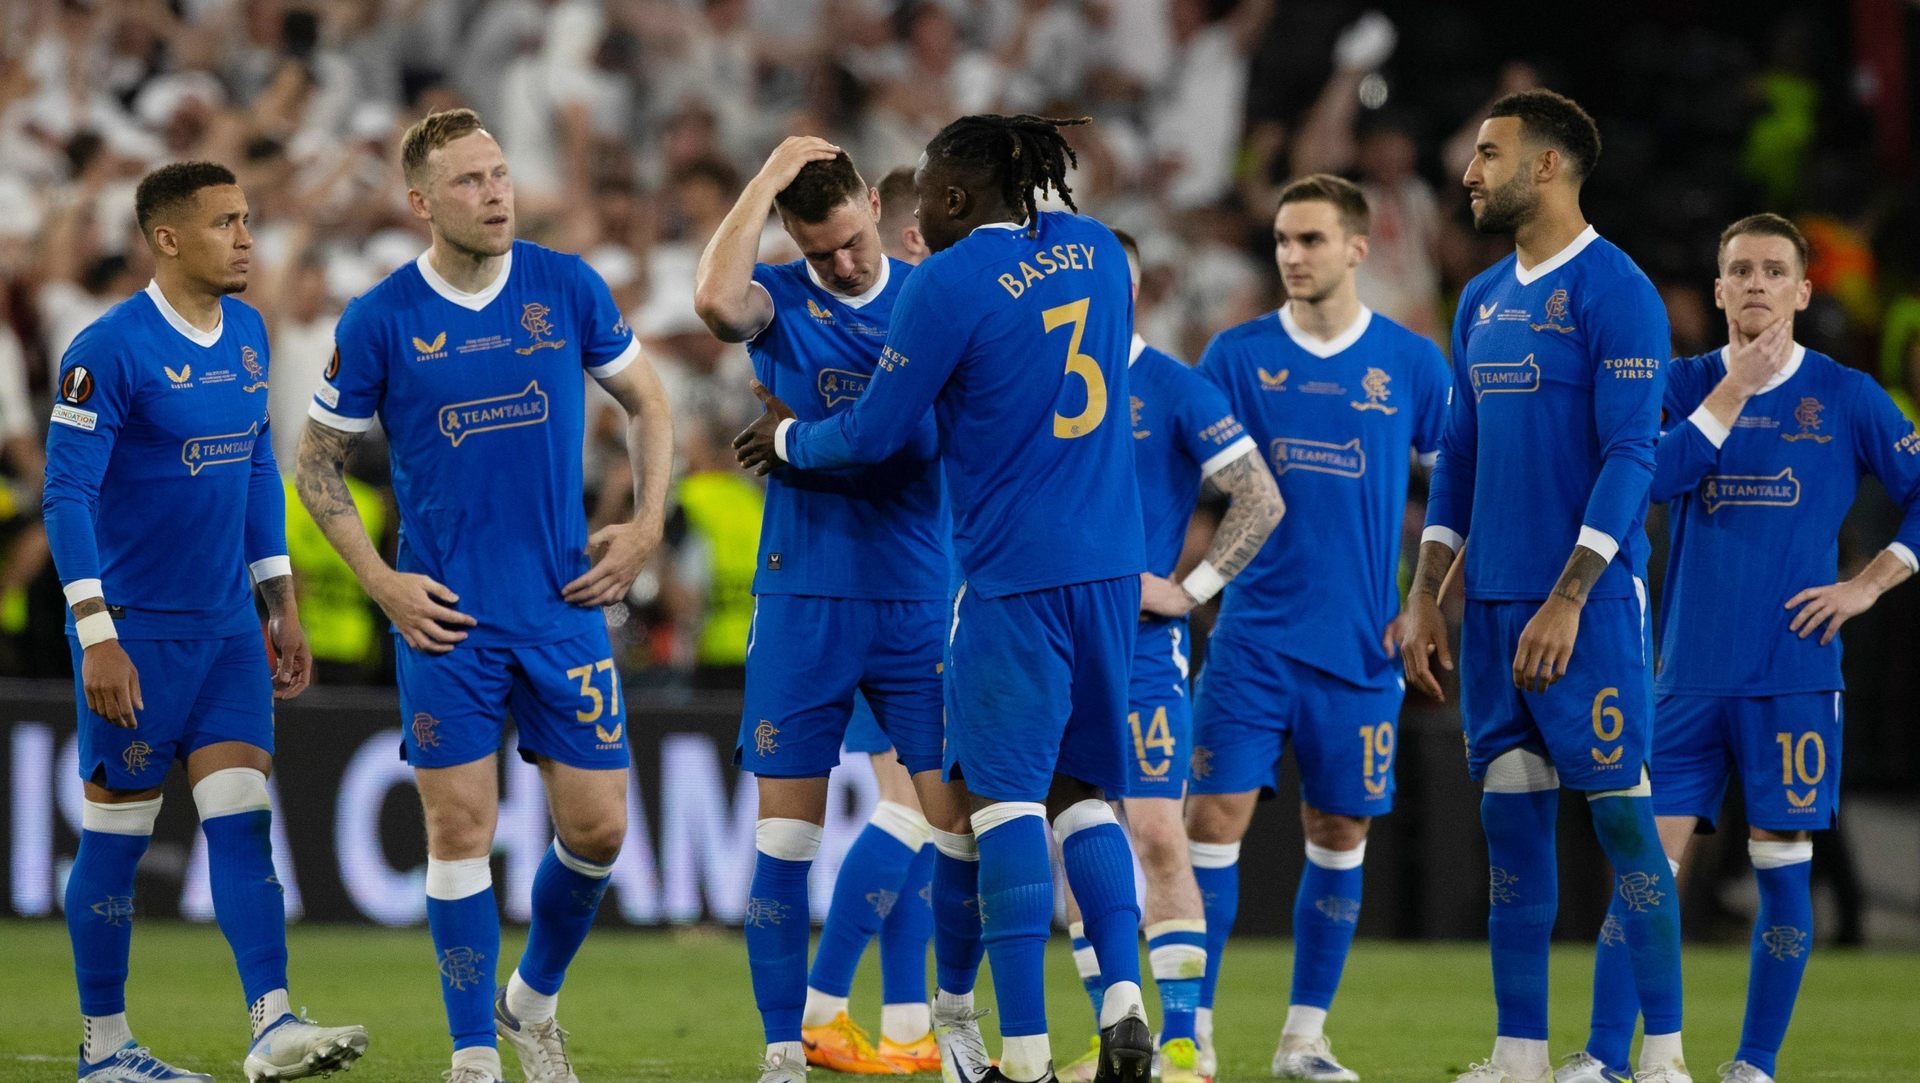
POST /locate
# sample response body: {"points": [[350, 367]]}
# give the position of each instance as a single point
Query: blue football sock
{"points": [[566, 895], [247, 899], [904, 935], [1099, 865], [1088, 965], [864, 895], [778, 923], [958, 941], [1616, 1004], [1177, 951], [99, 900], [465, 923], [1216, 868], [1643, 882], [1782, 939], [1523, 895], [1325, 911], [1016, 900]]}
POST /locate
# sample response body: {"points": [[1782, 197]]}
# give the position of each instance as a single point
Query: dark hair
{"points": [[820, 187], [715, 171], [1559, 122], [430, 133], [1347, 198], [169, 187], [1135, 265], [1024, 154], [1767, 225]]}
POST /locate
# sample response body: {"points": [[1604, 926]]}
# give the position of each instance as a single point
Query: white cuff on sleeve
{"points": [[1444, 535], [81, 589], [780, 440], [1604, 544], [338, 421], [1709, 426], [1229, 454], [270, 568], [1905, 554], [614, 367]]}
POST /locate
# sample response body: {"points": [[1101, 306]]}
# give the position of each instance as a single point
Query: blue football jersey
{"points": [[1183, 431], [1756, 520], [161, 483], [1339, 421], [865, 532], [483, 402], [1557, 375], [1020, 344]]}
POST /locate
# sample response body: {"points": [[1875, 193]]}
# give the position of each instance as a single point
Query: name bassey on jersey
{"points": [[1338, 420], [876, 532], [482, 397], [1757, 519], [159, 440]]}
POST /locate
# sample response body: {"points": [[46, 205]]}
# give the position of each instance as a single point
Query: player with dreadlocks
{"points": [[1016, 332]]}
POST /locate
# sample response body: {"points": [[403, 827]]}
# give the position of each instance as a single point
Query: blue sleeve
{"points": [[1450, 492], [607, 344], [1208, 429], [1630, 331], [266, 530], [924, 344], [354, 385], [1889, 447], [92, 398], [1684, 454], [1432, 392]]}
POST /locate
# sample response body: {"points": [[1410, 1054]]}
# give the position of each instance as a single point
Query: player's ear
{"points": [[959, 202], [417, 203], [915, 241], [1720, 297], [1549, 165], [1804, 295], [873, 203], [164, 240], [1357, 250]]}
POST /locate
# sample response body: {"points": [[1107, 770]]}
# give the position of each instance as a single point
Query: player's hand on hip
{"points": [[754, 446], [787, 159], [618, 553], [112, 683], [295, 669], [421, 611], [1546, 645], [1832, 605], [1163, 597], [1422, 632]]}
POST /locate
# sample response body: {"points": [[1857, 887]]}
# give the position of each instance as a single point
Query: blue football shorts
{"points": [[1786, 749], [198, 692]]}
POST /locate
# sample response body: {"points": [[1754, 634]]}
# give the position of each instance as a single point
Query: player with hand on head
{"points": [[472, 357], [160, 432], [1340, 398], [1184, 435], [1765, 447], [1558, 370], [1015, 332], [858, 562]]}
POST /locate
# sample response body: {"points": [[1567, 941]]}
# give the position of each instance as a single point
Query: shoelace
{"points": [[470, 1074], [552, 1041], [855, 1037], [141, 1059], [776, 1064], [1474, 1068], [1738, 1071], [1662, 1074], [963, 1028]]}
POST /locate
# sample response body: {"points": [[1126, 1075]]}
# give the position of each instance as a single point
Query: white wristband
{"points": [[1203, 583], [94, 628]]}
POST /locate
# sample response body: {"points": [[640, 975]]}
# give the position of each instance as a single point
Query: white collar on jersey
{"points": [[471, 301], [858, 300], [1325, 347], [1139, 347], [999, 225], [1557, 260], [1786, 371], [179, 323]]}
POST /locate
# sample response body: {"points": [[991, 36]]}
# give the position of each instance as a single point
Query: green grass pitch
{"points": [[676, 1005]]}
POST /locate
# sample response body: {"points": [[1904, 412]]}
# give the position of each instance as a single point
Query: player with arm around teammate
{"points": [[472, 359], [1766, 442], [1548, 449], [160, 432]]}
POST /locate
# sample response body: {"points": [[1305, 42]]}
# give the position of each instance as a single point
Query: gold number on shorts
{"points": [[1078, 364], [1793, 758], [1608, 722], [584, 674], [1376, 756], [1159, 735]]}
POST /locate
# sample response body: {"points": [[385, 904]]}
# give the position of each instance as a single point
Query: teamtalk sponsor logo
{"points": [[1490, 377], [432, 349], [250, 360], [200, 452], [840, 385], [1632, 368], [460, 420], [1556, 314], [533, 318], [1374, 383], [1780, 490], [1348, 460], [1807, 416]]}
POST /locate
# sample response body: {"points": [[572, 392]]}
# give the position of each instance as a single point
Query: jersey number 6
{"points": [[1078, 364]]}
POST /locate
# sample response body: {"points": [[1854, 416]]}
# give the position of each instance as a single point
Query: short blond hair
{"points": [[430, 133]]}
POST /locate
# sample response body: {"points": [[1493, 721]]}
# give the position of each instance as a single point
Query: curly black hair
{"points": [[1026, 155]]}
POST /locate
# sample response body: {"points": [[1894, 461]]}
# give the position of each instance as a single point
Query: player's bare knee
{"points": [[1159, 839], [1068, 792], [458, 829], [1219, 818], [1332, 830], [599, 840]]}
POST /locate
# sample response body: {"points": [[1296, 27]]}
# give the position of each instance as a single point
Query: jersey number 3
{"points": [[1078, 364]]}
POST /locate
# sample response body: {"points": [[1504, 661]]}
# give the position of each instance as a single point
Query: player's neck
{"points": [[1329, 317], [1550, 231], [468, 272], [194, 304]]}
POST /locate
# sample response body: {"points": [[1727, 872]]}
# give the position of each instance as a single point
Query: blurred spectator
{"points": [[722, 507]]}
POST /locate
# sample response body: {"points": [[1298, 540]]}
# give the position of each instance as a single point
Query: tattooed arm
{"points": [[421, 609], [1254, 511], [293, 671], [1546, 644], [1421, 628]]}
